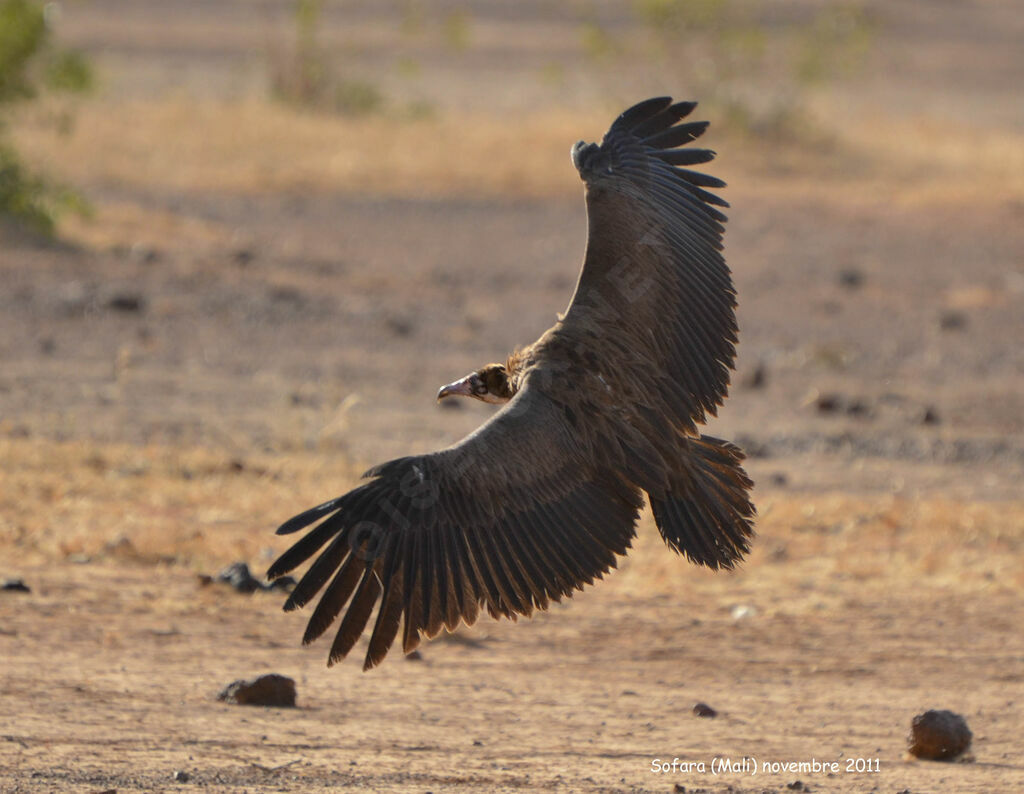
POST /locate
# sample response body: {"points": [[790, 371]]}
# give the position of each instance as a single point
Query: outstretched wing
{"points": [[512, 517], [654, 287]]}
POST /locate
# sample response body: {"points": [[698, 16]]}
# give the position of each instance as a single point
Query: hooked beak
{"points": [[461, 388]]}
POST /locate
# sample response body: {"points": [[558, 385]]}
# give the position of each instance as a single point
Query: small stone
{"points": [[930, 416], [15, 586], [239, 577], [267, 690], [858, 408], [797, 785], [829, 403], [283, 583], [704, 710], [127, 302], [952, 321], [851, 278], [757, 378], [181, 776], [938, 735]]}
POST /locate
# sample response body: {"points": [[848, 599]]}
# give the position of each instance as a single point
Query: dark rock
{"points": [[704, 710], [181, 776], [15, 586], [797, 785], [267, 690], [47, 346], [757, 378], [952, 321], [930, 416], [939, 735], [243, 256], [858, 408], [829, 403], [286, 295], [399, 326], [126, 302], [851, 278], [283, 583], [778, 479], [240, 577]]}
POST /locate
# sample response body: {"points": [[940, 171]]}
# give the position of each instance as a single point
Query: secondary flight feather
{"points": [[604, 407]]}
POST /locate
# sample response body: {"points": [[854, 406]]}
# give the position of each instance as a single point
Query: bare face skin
{"points": [[489, 384]]}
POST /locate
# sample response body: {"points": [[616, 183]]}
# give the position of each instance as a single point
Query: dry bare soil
{"points": [[267, 300]]}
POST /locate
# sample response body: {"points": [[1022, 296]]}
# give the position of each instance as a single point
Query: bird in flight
{"points": [[605, 406]]}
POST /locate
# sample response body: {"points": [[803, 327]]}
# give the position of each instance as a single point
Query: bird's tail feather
{"points": [[708, 515]]}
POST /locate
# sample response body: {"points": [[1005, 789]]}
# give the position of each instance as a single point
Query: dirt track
{"points": [[199, 363]]}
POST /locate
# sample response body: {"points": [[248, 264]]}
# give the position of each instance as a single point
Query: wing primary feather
{"points": [[641, 111], [513, 592], [568, 551], [548, 558], [333, 599], [677, 136], [685, 156], [307, 517], [453, 584], [665, 118], [470, 596], [305, 547], [318, 573], [697, 178], [498, 600], [413, 596], [389, 616], [437, 586], [521, 558], [356, 617]]}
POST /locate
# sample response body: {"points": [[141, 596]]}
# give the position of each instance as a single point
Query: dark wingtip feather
{"points": [[640, 112], [697, 178], [664, 119], [678, 135], [306, 518], [685, 156]]}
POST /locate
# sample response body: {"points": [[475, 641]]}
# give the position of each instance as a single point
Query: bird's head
{"points": [[490, 384]]}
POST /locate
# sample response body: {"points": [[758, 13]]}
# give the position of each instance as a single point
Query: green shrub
{"points": [[306, 77], [30, 64]]}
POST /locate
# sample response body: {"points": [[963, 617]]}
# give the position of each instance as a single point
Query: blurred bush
{"points": [[304, 75], [753, 59], [30, 65]]}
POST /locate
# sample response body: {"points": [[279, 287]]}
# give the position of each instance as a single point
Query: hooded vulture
{"points": [[539, 500]]}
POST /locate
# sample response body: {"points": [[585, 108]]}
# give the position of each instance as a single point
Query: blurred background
{"points": [[243, 242]]}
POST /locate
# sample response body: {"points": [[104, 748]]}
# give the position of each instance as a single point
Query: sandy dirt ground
{"points": [[267, 299]]}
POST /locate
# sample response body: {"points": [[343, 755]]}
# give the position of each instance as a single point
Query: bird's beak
{"points": [[462, 388]]}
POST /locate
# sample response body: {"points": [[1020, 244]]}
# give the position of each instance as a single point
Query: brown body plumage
{"points": [[540, 499]]}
